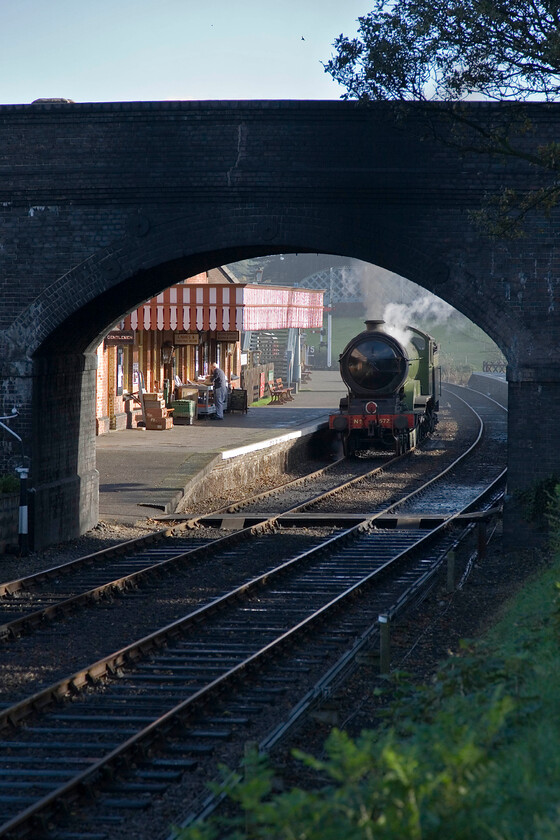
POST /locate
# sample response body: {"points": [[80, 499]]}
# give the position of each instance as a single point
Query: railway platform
{"points": [[143, 473]]}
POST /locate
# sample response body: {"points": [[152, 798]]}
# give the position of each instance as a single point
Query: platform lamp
{"points": [[329, 319], [23, 472], [167, 352], [167, 355]]}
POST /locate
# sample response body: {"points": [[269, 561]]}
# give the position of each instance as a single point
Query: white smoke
{"points": [[381, 289], [425, 308], [398, 316], [396, 322]]}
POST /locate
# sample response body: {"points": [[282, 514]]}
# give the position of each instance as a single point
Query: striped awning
{"points": [[228, 307]]}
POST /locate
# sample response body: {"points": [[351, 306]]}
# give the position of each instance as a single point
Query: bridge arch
{"points": [[104, 205], [100, 290]]}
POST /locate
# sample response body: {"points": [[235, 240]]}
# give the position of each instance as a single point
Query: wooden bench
{"points": [[278, 396], [282, 387], [305, 373]]}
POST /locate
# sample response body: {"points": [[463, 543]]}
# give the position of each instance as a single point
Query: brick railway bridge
{"points": [[104, 205]]}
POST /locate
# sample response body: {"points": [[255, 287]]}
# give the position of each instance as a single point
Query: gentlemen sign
{"points": [[119, 337]]}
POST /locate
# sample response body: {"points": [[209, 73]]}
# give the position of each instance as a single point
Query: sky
{"points": [[133, 50]]}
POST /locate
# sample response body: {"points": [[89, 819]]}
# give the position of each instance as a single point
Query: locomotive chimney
{"points": [[374, 326]]}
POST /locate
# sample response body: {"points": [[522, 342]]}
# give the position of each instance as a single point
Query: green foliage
{"points": [[503, 214], [553, 518], [379, 787], [9, 484], [383, 784], [473, 755], [450, 51], [536, 499], [409, 49]]}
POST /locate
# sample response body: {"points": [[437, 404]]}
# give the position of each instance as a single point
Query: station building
{"points": [[252, 331]]}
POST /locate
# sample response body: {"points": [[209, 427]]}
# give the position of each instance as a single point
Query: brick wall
{"points": [[9, 521], [101, 392], [104, 205]]}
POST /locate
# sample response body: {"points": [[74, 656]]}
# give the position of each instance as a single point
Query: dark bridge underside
{"points": [[104, 205]]}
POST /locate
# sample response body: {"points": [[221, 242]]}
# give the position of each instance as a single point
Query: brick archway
{"points": [[104, 205]]}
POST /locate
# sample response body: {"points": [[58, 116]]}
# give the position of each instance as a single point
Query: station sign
{"points": [[118, 338], [182, 338]]}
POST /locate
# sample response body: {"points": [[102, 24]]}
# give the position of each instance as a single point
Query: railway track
{"points": [[351, 490], [50, 595], [143, 716]]}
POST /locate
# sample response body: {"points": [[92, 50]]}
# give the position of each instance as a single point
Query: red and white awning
{"points": [[188, 307]]}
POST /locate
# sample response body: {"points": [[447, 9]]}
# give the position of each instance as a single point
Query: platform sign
{"points": [[118, 338], [183, 338]]}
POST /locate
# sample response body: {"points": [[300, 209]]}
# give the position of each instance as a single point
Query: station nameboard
{"points": [[227, 335]]}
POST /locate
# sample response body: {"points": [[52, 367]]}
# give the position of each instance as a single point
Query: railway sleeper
{"points": [[190, 748], [164, 775], [28, 785], [137, 787], [127, 804], [82, 731]]}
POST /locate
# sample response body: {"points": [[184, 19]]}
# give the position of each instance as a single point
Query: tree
{"points": [[452, 49]]}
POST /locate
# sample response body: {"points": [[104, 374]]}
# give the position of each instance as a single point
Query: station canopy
{"points": [[190, 306]]}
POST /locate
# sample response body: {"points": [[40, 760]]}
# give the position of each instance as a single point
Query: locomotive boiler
{"points": [[393, 390]]}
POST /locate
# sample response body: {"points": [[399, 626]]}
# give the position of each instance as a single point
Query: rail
{"points": [[320, 558]]}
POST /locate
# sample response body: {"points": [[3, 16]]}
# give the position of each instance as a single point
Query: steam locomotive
{"points": [[393, 389]]}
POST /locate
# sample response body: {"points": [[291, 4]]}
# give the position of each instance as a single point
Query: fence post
{"points": [[451, 571], [251, 769], [482, 539], [23, 528], [384, 644]]}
